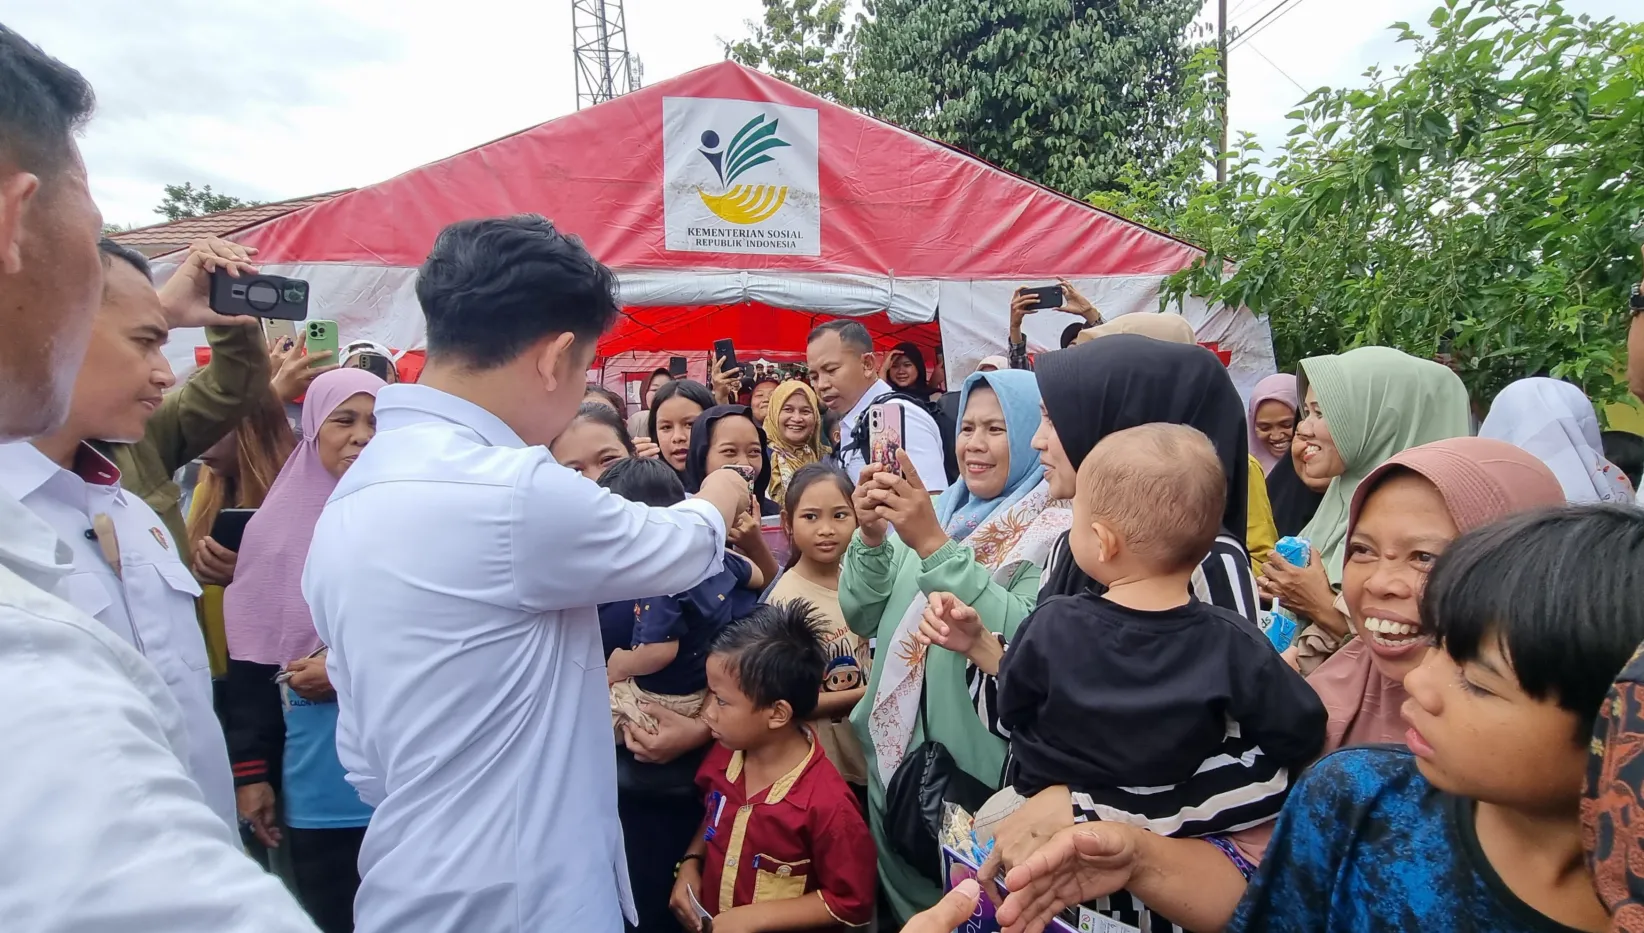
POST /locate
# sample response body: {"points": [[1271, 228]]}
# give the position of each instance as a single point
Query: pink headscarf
{"points": [[1481, 481], [1280, 387], [264, 614]]}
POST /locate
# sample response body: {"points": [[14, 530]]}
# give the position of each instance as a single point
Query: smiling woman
{"points": [[793, 426]]}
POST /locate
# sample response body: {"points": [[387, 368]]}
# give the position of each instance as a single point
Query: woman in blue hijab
{"points": [[984, 541]]}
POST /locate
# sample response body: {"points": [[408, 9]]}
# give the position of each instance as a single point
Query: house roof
{"points": [[176, 234]]}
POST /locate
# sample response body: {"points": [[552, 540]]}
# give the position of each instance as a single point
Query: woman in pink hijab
{"points": [[1272, 418], [1403, 514], [280, 711]]}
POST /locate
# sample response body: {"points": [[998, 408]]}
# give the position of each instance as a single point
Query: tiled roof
{"points": [[175, 234]]}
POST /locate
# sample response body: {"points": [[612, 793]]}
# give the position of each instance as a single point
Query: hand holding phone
{"points": [[886, 430], [322, 338]]}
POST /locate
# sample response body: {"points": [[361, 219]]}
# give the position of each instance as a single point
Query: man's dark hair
{"points": [[43, 102], [1071, 332], [695, 391], [111, 251], [851, 333], [1626, 450], [646, 480], [1558, 590], [776, 653], [493, 287]]}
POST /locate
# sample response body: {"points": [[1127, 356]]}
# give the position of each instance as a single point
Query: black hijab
{"points": [[921, 385], [1293, 503], [1127, 380], [696, 459]]}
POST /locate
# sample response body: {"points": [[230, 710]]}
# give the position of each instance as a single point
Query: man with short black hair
{"points": [[841, 354], [103, 827], [473, 711], [130, 569]]}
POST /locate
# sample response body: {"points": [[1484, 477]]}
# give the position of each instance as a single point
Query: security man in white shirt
{"points": [[127, 571], [841, 354], [454, 575], [103, 828]]}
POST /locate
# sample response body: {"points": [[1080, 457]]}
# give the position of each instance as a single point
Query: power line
{"points": [[1279, 70], [1265, 16], [1253, 32]]}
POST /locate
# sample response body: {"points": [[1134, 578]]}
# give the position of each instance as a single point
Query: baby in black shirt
{"points": [[1166, 712]]}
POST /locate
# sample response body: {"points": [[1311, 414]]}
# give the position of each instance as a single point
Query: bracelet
{"points": [[689, 857]]}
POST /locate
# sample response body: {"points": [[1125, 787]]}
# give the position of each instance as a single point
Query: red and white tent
{"points": [[732, 204]]}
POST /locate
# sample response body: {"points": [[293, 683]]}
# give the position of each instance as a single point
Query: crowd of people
{"points": [[490, 653]]}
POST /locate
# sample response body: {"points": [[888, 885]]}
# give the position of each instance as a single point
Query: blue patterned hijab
{"points": [[1018, 390]]}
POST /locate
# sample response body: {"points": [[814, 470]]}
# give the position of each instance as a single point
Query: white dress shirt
{"points": [[149, 604], [103, 827], [922, 439], [454, 575]]}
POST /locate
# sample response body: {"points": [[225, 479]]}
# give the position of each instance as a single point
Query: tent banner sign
{"points": [[740, 176]]}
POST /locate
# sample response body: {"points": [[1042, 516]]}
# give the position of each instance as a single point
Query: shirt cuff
{"points": [[716, 524], [939, 556]]}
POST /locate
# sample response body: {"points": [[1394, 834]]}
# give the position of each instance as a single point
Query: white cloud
{"points": [[278, 100]]}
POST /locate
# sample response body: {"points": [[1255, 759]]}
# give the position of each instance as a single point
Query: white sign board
{"points": [[740, 176]]}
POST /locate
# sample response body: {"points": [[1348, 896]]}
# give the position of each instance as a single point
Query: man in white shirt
{"points": [[454, 575], [103, 829], [127, 572], [841, 354]]}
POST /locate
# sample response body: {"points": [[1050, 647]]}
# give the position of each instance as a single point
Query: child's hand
{"points": [[690, 877], [950, 624], [746, 527]]}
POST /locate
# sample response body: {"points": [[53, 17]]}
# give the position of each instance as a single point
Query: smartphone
{"points": [[885, 432], [676, 367], [276, 329], [259, 296], [726, 350], [229, 527], [1049, 296], [322, 336]]}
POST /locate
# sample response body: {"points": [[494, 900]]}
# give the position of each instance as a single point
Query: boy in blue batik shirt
{"points": [[1476, 825]]}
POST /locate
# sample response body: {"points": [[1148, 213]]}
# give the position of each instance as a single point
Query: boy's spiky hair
{"points": [[776, 654]]}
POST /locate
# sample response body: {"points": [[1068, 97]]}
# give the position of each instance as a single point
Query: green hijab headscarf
{"points": [[1378, 402]]}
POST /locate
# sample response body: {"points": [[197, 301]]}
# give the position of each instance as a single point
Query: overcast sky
{"points": [[277, 100]]}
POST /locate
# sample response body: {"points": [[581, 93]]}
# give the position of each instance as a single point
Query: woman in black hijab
{"points": [[713, 446], [905, 370], [1294, 501], [1126, 380]]}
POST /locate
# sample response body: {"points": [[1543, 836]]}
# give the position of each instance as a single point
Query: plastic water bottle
{"points": [[1282, 624]]}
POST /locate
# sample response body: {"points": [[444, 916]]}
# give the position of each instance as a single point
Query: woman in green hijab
{"points": [[1359, 409]]}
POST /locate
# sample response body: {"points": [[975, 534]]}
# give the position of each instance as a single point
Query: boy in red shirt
{"points": [[783, 845]]}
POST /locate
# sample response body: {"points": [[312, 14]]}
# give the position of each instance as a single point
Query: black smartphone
{"points": [[726, 350], [229, 528], [1049, 296], [259, 296], [676, 367]]}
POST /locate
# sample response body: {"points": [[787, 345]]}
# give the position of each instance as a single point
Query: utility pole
{"points": [[1221, 55]]}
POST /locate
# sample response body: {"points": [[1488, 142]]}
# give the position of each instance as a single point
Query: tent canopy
{"points": [[730, 203]]}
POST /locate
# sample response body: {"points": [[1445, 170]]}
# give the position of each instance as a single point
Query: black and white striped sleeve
{"points": [[984, 695], [1224, 579]]}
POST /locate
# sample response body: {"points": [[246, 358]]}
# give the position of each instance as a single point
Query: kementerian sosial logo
{"points": [[749, 148], [740, 177]]}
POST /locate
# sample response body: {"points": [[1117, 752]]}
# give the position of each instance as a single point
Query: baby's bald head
{"points": [[1161, 488]]}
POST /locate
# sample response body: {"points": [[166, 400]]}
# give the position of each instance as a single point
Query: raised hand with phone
{"points": [[1062, 296], [293, 367]]}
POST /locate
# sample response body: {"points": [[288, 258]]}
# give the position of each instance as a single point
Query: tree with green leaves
{"points": [[1065, 92], [185, 200], [807, 43], [1479, 204]]}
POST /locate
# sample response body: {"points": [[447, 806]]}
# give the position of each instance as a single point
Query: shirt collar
{"points": [[24, 469], [879, 387], [786, 782], [28, 545], [401, 405]]}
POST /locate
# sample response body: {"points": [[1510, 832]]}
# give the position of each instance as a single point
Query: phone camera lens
{"points": [[295, 293]]}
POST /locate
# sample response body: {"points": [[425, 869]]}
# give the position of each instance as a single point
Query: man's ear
{"points": [[870, 365], [781, 715], [16, 191], [553, 356]]}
